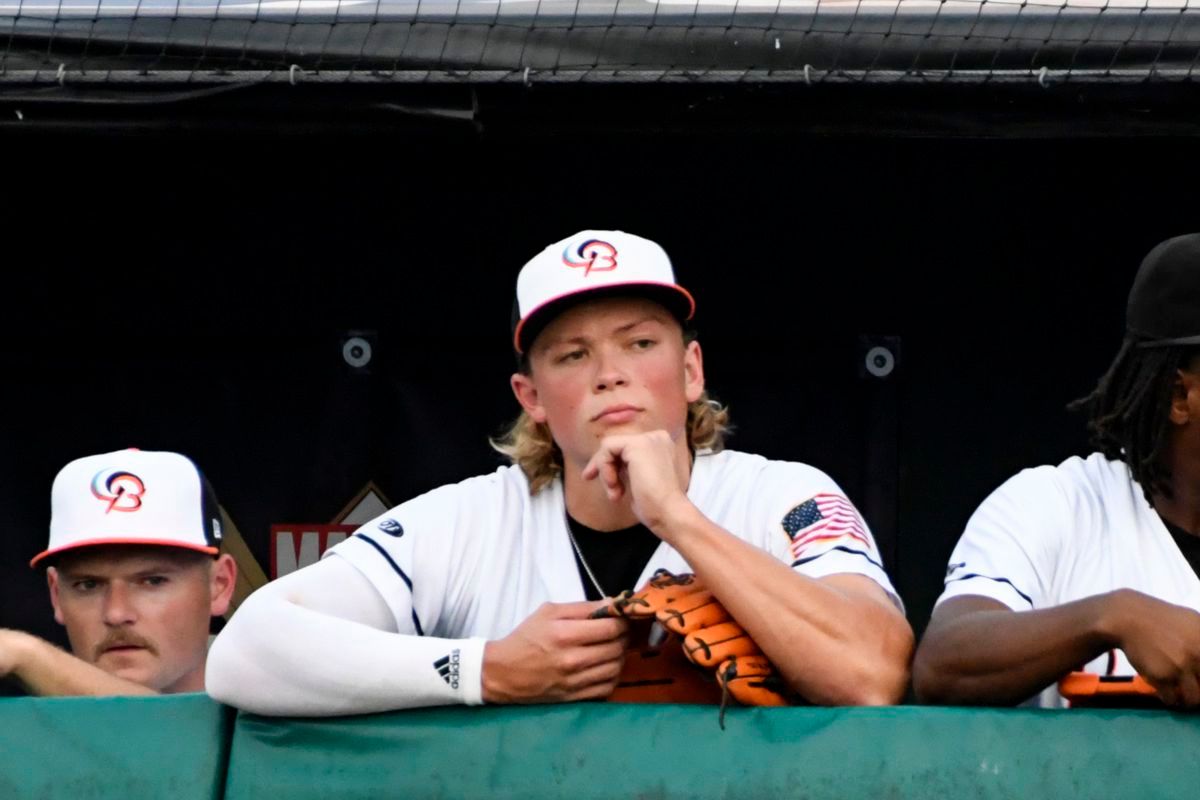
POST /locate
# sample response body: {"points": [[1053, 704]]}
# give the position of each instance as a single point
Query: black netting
{"points": [[199, 41]]}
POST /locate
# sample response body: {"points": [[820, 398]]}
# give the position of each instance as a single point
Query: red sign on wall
{"points": [[296, 546]]}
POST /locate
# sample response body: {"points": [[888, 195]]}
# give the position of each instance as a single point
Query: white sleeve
{"points": [[822, 532], [323, 642], [1009, 549]]}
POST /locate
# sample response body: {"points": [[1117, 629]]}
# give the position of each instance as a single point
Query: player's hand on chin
{"points": [[1162, 642], [557, 654], [642, 465]]}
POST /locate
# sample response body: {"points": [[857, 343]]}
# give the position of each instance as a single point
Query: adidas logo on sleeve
{"points": [[447, 667]]}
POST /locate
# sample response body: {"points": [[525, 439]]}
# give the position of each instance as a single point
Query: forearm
{"points": [[279, 658], [834, 645], [46, 670], [988, 654]]}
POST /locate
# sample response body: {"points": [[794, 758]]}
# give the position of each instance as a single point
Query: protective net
{"points": [[488, 41]]}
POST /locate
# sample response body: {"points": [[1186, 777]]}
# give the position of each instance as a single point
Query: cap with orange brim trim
{"points": [[132, 497], [588, 265]]}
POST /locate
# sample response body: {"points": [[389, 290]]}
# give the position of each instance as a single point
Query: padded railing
{"points": [[186, 747]]}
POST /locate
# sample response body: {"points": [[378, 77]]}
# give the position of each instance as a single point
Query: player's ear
{"points": [[1185, 397], [222, 580], [527, 395], [52, 582], [693, 371]]}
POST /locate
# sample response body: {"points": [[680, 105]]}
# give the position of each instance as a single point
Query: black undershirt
{"points": [[1189, 545], [617, 558]]}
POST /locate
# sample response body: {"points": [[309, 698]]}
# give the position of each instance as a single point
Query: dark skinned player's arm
{"points": [[978, 651]]}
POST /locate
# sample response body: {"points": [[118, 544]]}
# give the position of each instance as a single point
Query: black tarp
{"points": [[191, 291]]}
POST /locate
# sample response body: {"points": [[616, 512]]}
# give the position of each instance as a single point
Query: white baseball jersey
{"points": [[471, 561], [1052, 535]]}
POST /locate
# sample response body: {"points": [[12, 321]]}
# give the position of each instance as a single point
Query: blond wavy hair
{"points": [[530, 446]]}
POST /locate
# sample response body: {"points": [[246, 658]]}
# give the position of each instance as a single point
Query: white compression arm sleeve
{"points": [[322, 642]]}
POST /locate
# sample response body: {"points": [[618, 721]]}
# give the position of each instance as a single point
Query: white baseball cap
{"points": [[132, 497], [609, 261]]}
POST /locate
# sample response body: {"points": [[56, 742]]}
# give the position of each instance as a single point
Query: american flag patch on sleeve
{"points": [[823, 518]]}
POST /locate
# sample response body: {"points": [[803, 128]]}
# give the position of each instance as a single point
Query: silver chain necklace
{"points": [[586, 567]]}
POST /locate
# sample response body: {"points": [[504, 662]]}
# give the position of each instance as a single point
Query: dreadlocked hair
{"points": [[1128, 411]]}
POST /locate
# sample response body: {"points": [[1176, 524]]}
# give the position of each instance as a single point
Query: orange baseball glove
{"points": [[710, 636]]}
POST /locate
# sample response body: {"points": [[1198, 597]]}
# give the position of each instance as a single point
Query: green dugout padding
{"points": [[118, 748], [624, 751], [188, 747]]}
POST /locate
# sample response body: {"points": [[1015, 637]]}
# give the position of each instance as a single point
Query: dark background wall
{"points": [[189, 289]]}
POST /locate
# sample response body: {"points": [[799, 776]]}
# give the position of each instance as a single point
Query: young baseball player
{"points": [[135, 577], [479, 592], [1098, 557]]}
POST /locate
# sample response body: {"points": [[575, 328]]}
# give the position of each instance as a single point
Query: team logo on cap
{"points": [[594, 254], [123, 490]]}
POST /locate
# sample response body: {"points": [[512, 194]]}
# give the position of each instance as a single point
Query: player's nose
{"points": [[610, 372], [119, 608]]}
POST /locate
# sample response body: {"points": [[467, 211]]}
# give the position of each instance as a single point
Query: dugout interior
{"points": [[183, 269]]}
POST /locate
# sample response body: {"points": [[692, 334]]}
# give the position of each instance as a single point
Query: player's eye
{"points": [[154, 580], [84, 584], [569, 356], [643, 344]]}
